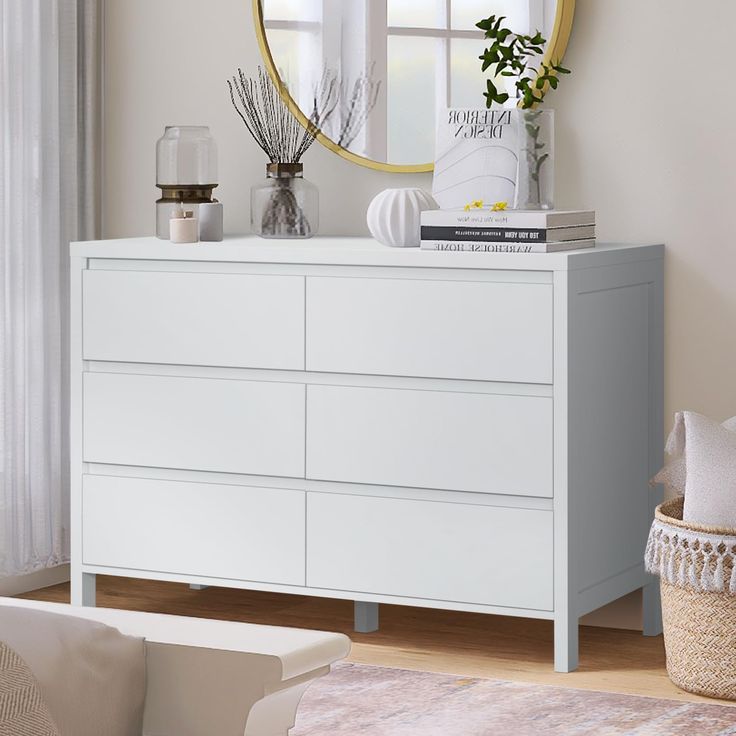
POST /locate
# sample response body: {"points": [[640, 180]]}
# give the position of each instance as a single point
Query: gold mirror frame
{"points": [[556, 47]]}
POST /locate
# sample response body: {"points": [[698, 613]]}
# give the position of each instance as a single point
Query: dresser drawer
{"points": [[424, 549], [488, 331], [221, 425], [431, 439], [212, 319], [212, 530]]}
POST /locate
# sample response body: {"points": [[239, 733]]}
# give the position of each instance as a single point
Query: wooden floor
{"points": [[414, 638]]}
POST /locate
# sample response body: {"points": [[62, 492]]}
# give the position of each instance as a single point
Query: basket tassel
{"points": [[732, 584], [681, 571], [693, 575], [670, 558], [718, 576], [706, 579]]}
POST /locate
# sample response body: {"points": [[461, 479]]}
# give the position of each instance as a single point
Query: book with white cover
{"points": [[507, 234], [456, 246], [542, 219], [477, 156]]}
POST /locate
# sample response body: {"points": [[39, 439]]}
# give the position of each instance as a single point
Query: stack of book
{"points": [[508, 231]]}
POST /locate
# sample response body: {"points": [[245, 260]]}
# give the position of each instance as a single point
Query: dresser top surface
{"points": [[359, 251]]}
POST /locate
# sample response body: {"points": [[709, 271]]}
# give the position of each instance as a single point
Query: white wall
{"points": [[646, 134]]}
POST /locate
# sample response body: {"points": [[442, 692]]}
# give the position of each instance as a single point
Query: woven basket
{"points": [[699, 627]]}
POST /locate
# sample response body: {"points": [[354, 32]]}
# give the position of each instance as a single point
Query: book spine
{"points": [[454, 246], [482, 247], [486, 234], [508, 219], [438, 218]]}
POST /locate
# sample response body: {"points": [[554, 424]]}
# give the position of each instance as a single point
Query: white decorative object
{"points": [[340, 419], [393, 216]]}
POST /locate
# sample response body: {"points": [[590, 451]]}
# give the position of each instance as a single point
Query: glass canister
{"points": [[186, 171], [286, 205], [535, 185]]}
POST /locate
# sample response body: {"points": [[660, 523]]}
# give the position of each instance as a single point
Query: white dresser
{"points": [[335, 418]]}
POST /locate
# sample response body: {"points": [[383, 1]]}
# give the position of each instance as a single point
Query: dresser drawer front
{"points": [[208, 319], [423, 549], [235, 532], [487, 443], [488, 331], [230, 426]]}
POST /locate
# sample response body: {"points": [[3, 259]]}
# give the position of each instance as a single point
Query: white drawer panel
{"points": [[239, 320], [212, 530], [221, 425], [444, 329], [431, 439], [423, 549]]}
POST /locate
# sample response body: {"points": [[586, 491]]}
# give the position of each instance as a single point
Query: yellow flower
{"points": [[499, 206], [476, 204]]}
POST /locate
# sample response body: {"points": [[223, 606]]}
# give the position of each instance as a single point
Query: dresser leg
{"points": [[366, 617], [566, 643], [651, 608], [84, 589]]}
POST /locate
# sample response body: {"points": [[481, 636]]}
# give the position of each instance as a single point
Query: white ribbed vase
{"points": [[393, 216]]}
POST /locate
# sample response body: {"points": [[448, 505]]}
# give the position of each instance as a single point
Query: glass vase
{"points": [[286, 205], [536, 180], [186, 171]]}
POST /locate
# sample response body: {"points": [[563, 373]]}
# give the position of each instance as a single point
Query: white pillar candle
{"points": [[183, 226]]}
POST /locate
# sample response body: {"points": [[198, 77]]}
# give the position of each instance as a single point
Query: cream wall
{"points": [[646, 134]]}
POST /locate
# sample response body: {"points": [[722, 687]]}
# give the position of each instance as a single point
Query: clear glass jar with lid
{"points": [[186, 171]]}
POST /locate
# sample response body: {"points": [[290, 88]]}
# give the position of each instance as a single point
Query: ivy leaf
{"points": [[493, 95], [489, 57], [538, 39]]}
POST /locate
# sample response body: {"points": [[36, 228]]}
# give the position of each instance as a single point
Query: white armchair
{"points": [[216, 678]]}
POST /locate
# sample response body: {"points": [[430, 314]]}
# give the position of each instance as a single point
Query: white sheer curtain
{"points": [[49, 184]]}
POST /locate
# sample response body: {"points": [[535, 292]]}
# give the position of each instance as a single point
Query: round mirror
{"points": [[385, 67]]}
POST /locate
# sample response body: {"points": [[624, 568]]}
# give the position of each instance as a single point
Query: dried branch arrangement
{"points": [[261, 105], [268, 119]]}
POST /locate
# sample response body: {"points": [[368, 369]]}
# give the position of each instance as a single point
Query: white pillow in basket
{"points": [[672, 474], [703, 467]]}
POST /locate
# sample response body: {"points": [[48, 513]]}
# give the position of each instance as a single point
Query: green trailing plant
{"points": [[521, 56], [516, 55]]}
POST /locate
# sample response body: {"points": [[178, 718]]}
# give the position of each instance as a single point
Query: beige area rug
{"points": [[376, 701]]}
